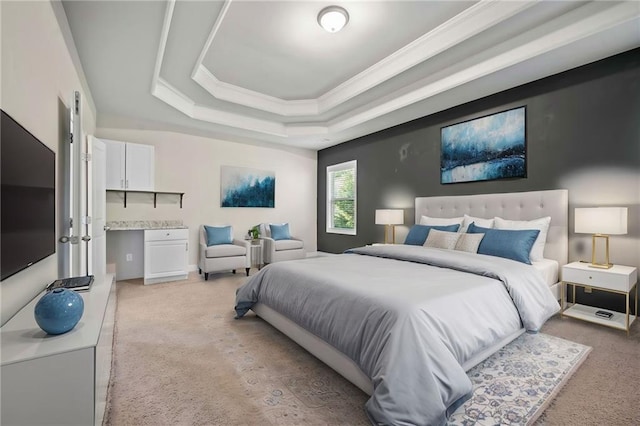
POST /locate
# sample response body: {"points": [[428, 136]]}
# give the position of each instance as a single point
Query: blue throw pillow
{"points": [[418, 233], [217, 235], [507, 243], [280, 232]]}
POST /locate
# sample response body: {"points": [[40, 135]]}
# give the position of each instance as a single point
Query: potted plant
{"points": [[255, 232]]}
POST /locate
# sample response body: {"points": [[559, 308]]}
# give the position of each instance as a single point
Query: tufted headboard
{"points": [[513, 206]]}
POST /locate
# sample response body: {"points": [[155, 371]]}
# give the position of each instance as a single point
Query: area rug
{"points": [[180, 358], [514, 385]]}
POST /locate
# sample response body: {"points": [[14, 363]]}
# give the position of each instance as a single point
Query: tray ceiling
{"points": [[265, 72]]}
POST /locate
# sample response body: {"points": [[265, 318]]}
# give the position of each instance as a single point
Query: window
{"points": [[341, 198]]}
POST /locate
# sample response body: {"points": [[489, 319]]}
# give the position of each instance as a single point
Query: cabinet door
{"points": [[115, 153], [165, 258], [50, 390], [140, 167]]}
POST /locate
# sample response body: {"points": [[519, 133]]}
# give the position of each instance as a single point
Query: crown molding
{"points": [[471, 21], [580, 28], [479, 17], [242, 96], [576, 25]]}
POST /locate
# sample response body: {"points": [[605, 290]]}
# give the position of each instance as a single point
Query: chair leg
{"points": [[247, 271], [234, 271], [206, 276]]}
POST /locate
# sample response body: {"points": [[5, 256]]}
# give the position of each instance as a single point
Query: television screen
{"points": [[28, 223]]}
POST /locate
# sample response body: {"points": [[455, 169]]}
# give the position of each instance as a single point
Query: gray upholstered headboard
{"points": [[513, 206]]}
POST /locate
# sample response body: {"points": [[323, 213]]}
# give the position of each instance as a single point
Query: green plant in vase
{"points": [[255, 232]]}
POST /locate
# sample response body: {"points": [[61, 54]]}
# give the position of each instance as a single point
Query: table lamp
{"points": [[601, 222], [389, 218]]}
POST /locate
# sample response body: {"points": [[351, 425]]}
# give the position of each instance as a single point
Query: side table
{"points": [[256, 254], [617, 279]]}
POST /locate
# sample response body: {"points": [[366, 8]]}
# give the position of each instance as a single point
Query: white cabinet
{"points": [[166, 253], [63, 379], [130, 166]]}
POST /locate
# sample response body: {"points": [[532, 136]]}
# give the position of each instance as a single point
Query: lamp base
{"points": [[391, 228], [594, 264], [601, 265]]}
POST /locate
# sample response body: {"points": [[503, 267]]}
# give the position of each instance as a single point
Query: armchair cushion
{"points": [[288, 244], [280, 232], [225, 250], [217, 235]]}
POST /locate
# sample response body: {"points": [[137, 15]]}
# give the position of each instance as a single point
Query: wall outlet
{"points": [[129, 257]]}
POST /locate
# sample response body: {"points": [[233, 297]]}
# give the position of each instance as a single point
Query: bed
{"points": [[404, 323]]}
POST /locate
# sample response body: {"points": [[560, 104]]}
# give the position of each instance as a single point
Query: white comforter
{"points": [[408, 316]]}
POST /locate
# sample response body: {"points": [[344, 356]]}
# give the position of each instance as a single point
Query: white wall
{"points": [[191, 164], [37, 81]]}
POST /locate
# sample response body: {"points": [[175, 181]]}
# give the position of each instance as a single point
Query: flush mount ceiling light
{"points": [[333, 18]]}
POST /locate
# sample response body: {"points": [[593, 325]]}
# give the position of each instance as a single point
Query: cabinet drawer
{"points": [[166, 234], [604, 279]]}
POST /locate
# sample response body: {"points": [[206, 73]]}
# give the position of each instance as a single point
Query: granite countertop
{"points": [[138, 225]]}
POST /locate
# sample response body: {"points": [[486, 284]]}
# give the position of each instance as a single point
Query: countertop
{"points": [[141, 225]]}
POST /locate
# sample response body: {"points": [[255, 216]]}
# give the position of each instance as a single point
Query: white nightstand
{"points": [[617, 279]]}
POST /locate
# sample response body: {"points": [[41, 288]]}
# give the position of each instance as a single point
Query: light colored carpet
{"points": [[181, 359]]}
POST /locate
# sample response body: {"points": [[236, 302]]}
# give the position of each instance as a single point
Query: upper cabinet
{"points": [[130, 166]]}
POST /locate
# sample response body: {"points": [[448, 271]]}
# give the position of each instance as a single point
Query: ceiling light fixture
{"points": [[333, 18]]}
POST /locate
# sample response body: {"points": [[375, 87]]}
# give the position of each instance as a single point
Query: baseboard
{"points": [[181, 277]]}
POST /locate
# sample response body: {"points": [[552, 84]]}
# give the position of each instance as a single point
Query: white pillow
{"points": [[441, 221], [542, 224], [442, 239], [479, 221], [469, 242]]}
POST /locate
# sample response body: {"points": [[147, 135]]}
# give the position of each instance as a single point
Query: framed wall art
{"points": [[246, 187], [485, 148]]}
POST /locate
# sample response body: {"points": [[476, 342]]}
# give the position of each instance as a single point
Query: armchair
{"points": [[223, 257], [279, 249]]}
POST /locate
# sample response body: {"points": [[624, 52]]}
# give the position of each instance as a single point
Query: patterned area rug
{"points": [[514, 385]]}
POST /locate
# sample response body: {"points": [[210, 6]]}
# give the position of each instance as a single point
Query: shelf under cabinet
{"points": [[588, 313], [155, 195]]}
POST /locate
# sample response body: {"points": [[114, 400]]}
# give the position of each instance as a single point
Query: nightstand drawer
{"points": [[609, 279]]}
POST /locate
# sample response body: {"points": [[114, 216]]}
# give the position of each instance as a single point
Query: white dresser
{"points": [[61, 379]]}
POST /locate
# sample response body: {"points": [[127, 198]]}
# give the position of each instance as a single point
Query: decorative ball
{"points": [[59, 310]]}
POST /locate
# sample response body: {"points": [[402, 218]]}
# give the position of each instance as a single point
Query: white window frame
{"points": [[353, 164]]}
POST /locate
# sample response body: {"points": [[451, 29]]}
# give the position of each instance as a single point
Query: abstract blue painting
{"points": [[244, 187], [486, 148]]}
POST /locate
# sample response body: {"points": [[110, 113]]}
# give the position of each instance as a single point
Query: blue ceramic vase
{"points": [[59, 310]]}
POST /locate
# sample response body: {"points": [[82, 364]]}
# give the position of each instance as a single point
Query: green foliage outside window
{"points": [[343, 202]]}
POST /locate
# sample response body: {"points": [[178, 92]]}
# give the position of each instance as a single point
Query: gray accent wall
{"points": [[583, 134]]}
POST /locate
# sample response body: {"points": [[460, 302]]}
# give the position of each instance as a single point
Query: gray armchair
{"points": [[223, 257], [279, 250]]}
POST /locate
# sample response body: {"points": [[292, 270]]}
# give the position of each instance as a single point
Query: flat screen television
{"points": [[28, 187]]}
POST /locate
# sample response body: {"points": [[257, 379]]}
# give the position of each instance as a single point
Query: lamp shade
{"points": [[601, 220], [389, 217]]}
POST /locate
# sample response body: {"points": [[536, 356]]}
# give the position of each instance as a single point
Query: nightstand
{"points": [[617, 279]]}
